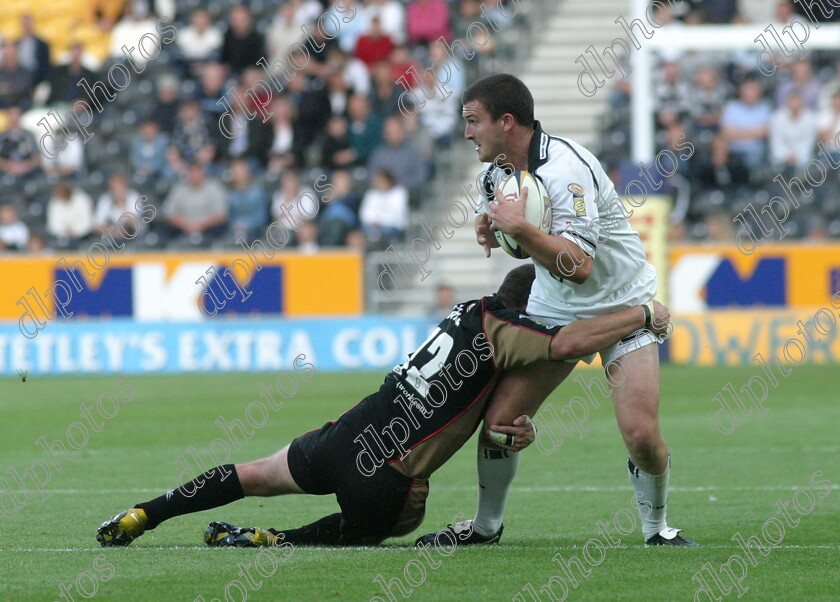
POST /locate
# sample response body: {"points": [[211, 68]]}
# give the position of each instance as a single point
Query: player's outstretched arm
{"points": [[575, 340], [583, 337], [558, 255]]}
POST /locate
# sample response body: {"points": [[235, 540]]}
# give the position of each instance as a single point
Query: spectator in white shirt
{"points": [[116, 210], [200, 40], [294, 208], [356, 75], [439, 115], [758, 11], [450, 68], [384, 211], [351, 30], [391, 16], [69, 214], [128, 31], [305, 12], [282, 34], [196, 209], [793, 134], [281, 153], [67, 162], [13, 233]]}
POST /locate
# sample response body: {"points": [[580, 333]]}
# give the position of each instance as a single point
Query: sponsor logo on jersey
{"points": [[546, 223], [577, 199]]}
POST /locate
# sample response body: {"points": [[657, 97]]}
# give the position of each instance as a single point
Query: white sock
{"points": [[496, 469], [651, 492]]}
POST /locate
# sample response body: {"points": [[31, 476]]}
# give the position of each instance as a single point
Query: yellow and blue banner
{"points": [[782, 301], [184, 287], [775, 275], [125, 346]]}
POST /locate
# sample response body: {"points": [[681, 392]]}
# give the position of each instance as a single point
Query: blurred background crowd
{"points": [[347, 154], [344, 122], [752, 135]]}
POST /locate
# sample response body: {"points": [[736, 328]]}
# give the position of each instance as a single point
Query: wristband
{"points": [[647, 307]]}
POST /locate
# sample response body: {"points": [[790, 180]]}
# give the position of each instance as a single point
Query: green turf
{"points": [[721, 485]]}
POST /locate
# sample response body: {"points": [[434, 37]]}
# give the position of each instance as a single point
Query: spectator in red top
{"points": [[404, 66], [428, 20], [258, 97], [375, 45]]}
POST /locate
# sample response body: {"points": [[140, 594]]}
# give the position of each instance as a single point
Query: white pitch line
{"points": [[749, 448], [584, 488], [409, 548], [160, 490], [547, 488], [98, 549]]}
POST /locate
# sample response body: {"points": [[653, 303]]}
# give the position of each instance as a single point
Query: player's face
{"points": [[487, 134]]}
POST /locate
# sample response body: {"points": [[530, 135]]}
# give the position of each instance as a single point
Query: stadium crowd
{"points": [[345, 118], [742, 136]]}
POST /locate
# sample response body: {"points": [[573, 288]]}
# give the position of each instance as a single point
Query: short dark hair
{"points": [[516, 287], [503, 93]]}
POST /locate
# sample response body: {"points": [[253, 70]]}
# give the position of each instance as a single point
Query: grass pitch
{"points": [[721, 485]]}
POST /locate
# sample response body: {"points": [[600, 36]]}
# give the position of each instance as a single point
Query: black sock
{"points": [[324, 532], [216, 487]]}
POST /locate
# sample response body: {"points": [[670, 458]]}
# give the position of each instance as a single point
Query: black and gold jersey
{"points": [[430, 405]]}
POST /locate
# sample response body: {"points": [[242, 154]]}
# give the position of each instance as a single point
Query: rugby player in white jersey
{"points": [[591, 263]]}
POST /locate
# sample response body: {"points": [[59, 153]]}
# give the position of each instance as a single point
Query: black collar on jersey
{"points": [[538, 149], [538, 153]]}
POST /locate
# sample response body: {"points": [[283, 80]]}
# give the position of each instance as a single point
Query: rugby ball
{"points": [[537, 209]]}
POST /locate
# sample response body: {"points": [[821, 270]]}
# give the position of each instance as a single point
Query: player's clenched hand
{"points": [[506, 214], [660, 323], [483, 234], [516, 437]]}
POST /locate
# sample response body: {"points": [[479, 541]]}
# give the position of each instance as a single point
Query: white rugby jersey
{"points": [[585, 209]]}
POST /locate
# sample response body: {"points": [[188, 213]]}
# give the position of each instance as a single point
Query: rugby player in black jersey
{"points": [[378, 456]]}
